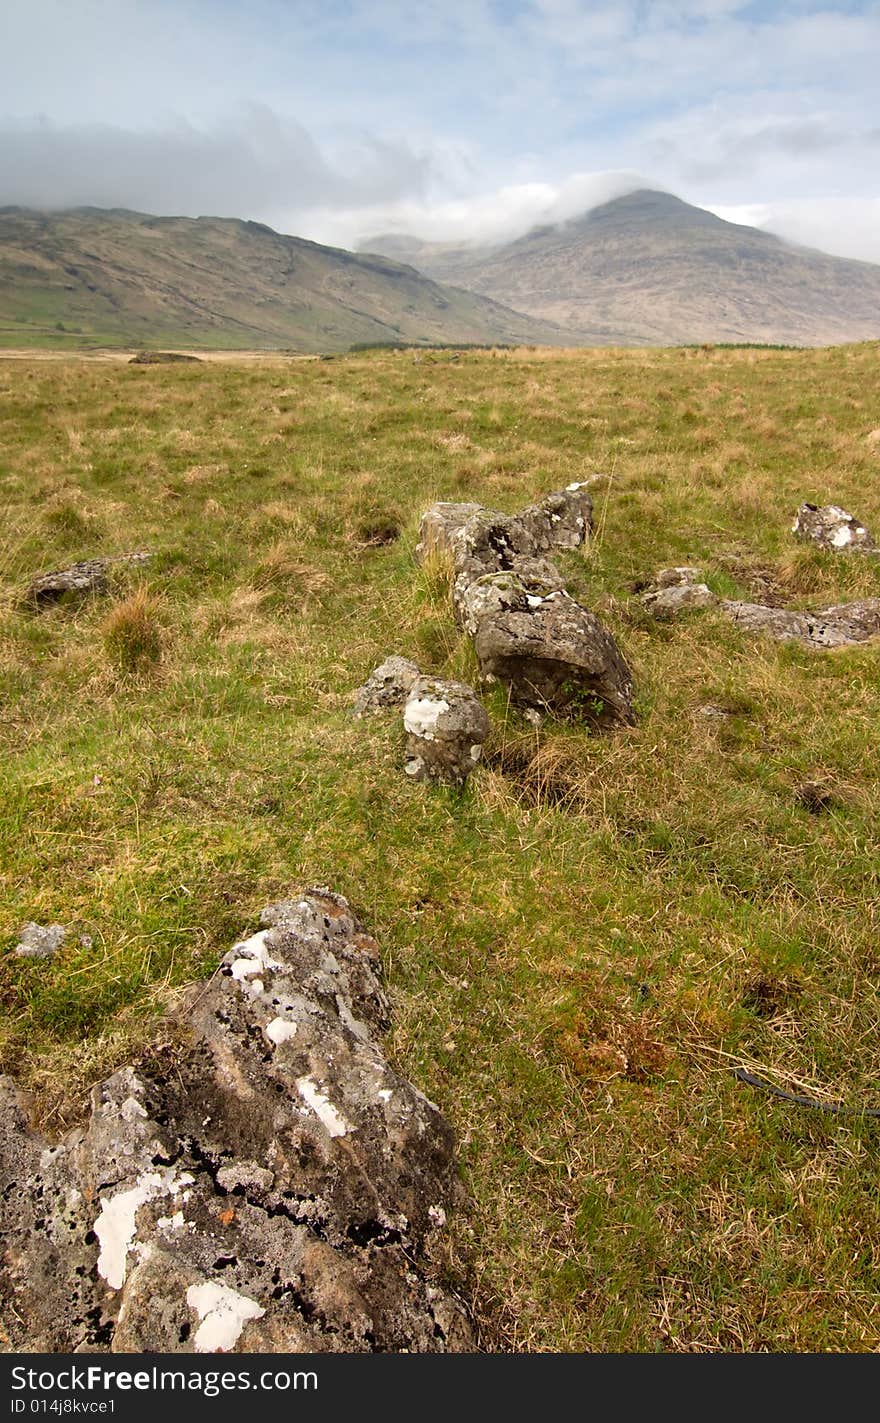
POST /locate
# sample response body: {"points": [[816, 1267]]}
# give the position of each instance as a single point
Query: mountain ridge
{"points": [[117, 277], [649, 268]]}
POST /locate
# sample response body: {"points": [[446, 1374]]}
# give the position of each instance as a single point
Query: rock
{"points": [[563, 519], [537, 576], [446, 725], [89, 576], [839, 626], [831, 527], [555, 655], [676, 589], [388, 685], [680, 577], [437, 526], [269, 1184], [162, 358], [40, 941]]}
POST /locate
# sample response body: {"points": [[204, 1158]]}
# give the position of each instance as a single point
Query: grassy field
{"points": [[582, 946]]}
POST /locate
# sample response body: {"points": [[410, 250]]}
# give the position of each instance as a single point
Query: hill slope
{"points": [[649, 268], [123, 278]]}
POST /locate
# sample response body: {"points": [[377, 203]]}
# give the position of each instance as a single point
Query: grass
{"points": [[581, 946]]}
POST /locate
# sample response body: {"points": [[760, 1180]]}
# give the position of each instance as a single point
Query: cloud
{"points": [[846, 227], [498, 215], [251, 166]]}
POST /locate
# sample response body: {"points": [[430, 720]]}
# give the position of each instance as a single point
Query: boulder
{"points": [[269, 1184], [830, 527], [563, 519], [555, 655], [388, 685], [89, 576], [839, 626], [446, 725]]}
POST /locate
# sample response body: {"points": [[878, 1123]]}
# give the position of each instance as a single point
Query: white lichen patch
{"points": [[280, 1030], [116, 1222], [131, 1108], [333, 1122], [476, 752], [171, 1222], [842, 536], [422, 715], [223, 1313], [252, 956]]}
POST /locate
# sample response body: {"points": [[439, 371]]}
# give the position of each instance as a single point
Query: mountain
{"points": [[91, 276], [650, 269]]}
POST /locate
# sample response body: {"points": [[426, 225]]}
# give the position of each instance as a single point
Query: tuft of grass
{"points": [[132, 633]]}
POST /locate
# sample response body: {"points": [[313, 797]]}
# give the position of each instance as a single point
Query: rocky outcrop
{"points": [[269, 1186], [446, 725], [839, 626], [830, 527], [388, 685], [89, 576], [528, 631]]}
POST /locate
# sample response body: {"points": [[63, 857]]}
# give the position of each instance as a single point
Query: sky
{"points": [[454, 120]]}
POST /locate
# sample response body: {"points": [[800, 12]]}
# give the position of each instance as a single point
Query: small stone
{"points": [[40, 941], [89, 576], [446, 725], [387, 686], [677, 597]]}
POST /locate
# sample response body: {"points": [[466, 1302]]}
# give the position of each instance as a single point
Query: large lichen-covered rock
{"points": [[555, 655], [89, 576], [388, 685], [830, 527], [563, 519], [269, 1186], [446, 725], [840, 626]]}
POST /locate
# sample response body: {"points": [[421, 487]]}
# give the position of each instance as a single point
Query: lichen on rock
{"points": [[251, 1190]]}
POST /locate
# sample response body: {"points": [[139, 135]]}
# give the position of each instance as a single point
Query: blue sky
{"points": [[453, 119]]}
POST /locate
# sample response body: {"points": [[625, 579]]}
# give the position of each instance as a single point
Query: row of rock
{"points": [[270, 1186], [528, 632], [677, 590]]}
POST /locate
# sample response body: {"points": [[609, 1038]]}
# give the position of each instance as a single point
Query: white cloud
{"points": [[847, 227]]}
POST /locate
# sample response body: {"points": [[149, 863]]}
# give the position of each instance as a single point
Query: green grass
{"points": [[581, 945]]}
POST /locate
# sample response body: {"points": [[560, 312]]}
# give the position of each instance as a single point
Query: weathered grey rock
{"points": [[438, 524], [270, 1185], [536, 575], [446, 725], [90, 576], [40, 941], [838, 626], [678, 577], [671, 598], [388, 685], [563, 519], [831, 527], [555, 655]]}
